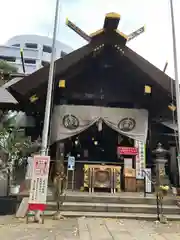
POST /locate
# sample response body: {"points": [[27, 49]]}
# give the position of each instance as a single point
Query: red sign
{"points": [[39, 183], [127, 151]]}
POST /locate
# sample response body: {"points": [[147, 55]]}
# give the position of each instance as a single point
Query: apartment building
{"points": [[36, 51]]}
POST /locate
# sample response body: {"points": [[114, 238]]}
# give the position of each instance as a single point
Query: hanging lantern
{"points": [[95, 143], [76, 142]]}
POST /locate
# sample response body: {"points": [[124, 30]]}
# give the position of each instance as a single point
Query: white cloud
{"points": [[36, 16]]}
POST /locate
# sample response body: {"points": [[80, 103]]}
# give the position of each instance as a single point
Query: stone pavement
{"points": [[87, 229], [13, 229], [112, 229]]}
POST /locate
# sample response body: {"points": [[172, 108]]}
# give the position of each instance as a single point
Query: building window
{"points": [[63, 54], [30, 61], [44, 63], [8, 59], [31, 45], [16, 45], [47, 49]]}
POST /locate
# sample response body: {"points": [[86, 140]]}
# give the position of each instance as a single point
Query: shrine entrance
{"points": [[100, 166], [104, 145]]}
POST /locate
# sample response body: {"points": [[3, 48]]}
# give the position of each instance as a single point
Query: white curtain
{"points": [[63, 114], [70, 120], [113, 117]]}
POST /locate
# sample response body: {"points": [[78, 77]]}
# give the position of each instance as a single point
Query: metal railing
{"points": [[159, 203], [152, 182]]}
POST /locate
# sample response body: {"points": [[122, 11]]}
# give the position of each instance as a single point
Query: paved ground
{"points": [[87, 229]]}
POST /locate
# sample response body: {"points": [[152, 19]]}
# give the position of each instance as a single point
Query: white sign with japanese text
{"points": [[140, 159], [39, 181], [128, 163], [148, 179], [71, 163]]}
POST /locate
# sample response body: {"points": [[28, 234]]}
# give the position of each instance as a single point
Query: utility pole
{"points": [[176, 80], [45, 133]]}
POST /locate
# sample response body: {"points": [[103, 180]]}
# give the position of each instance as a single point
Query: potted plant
{"points": [[164, 189], [13, 143], [161, 191]]}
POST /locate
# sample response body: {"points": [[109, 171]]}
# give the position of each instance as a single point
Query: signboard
{"points": [[127, 150], [71, 163], [148, 177], [127, 162], [140, 159], [39, 183]]}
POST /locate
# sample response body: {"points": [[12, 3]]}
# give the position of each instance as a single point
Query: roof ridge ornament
{"points": [[111, 22]]}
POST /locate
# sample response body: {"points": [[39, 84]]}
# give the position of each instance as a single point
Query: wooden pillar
{"points": [[59, 154], [149, 145], [173, 166], [149, 139]]}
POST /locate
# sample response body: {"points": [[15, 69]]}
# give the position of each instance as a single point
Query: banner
{"points": [[70, 120], [39, 183], [140, 159], [148, 179]]}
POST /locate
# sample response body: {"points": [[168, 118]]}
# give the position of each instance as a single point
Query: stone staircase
{"points": [[120, 205]]}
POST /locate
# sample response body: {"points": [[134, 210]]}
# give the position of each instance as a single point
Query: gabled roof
{"points": [[7, 100], [155, 73], [6, 97], [12, 82], [40, 77], [107, 36]]}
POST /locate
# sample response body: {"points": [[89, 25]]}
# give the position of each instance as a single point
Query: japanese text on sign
{"points": [[71, 163], [140, 159], [127, 150], [39, 182]]}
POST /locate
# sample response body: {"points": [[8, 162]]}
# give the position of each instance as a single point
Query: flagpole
{"points": [[176, 80], [45, 133]]}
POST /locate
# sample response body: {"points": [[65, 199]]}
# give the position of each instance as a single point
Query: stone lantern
{"points": [[162, 181], [160, 158]]}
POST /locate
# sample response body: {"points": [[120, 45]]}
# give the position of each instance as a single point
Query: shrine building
{"points": [[110, 109]]}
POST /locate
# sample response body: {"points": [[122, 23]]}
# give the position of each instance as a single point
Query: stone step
{"points": [[113, 207], [113, 198], [119, 198], [138, 216]]}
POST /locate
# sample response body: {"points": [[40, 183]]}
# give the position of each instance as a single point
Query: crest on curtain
{"points": [[127, 124], [70, 122]]}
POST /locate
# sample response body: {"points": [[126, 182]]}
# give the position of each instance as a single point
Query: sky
{"points": [[37, 16]]}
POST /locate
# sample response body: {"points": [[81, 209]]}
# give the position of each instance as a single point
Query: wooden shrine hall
{"points": [[109, 111]]}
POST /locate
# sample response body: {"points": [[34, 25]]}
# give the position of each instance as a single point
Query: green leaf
{"points": [[5, 67]]}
